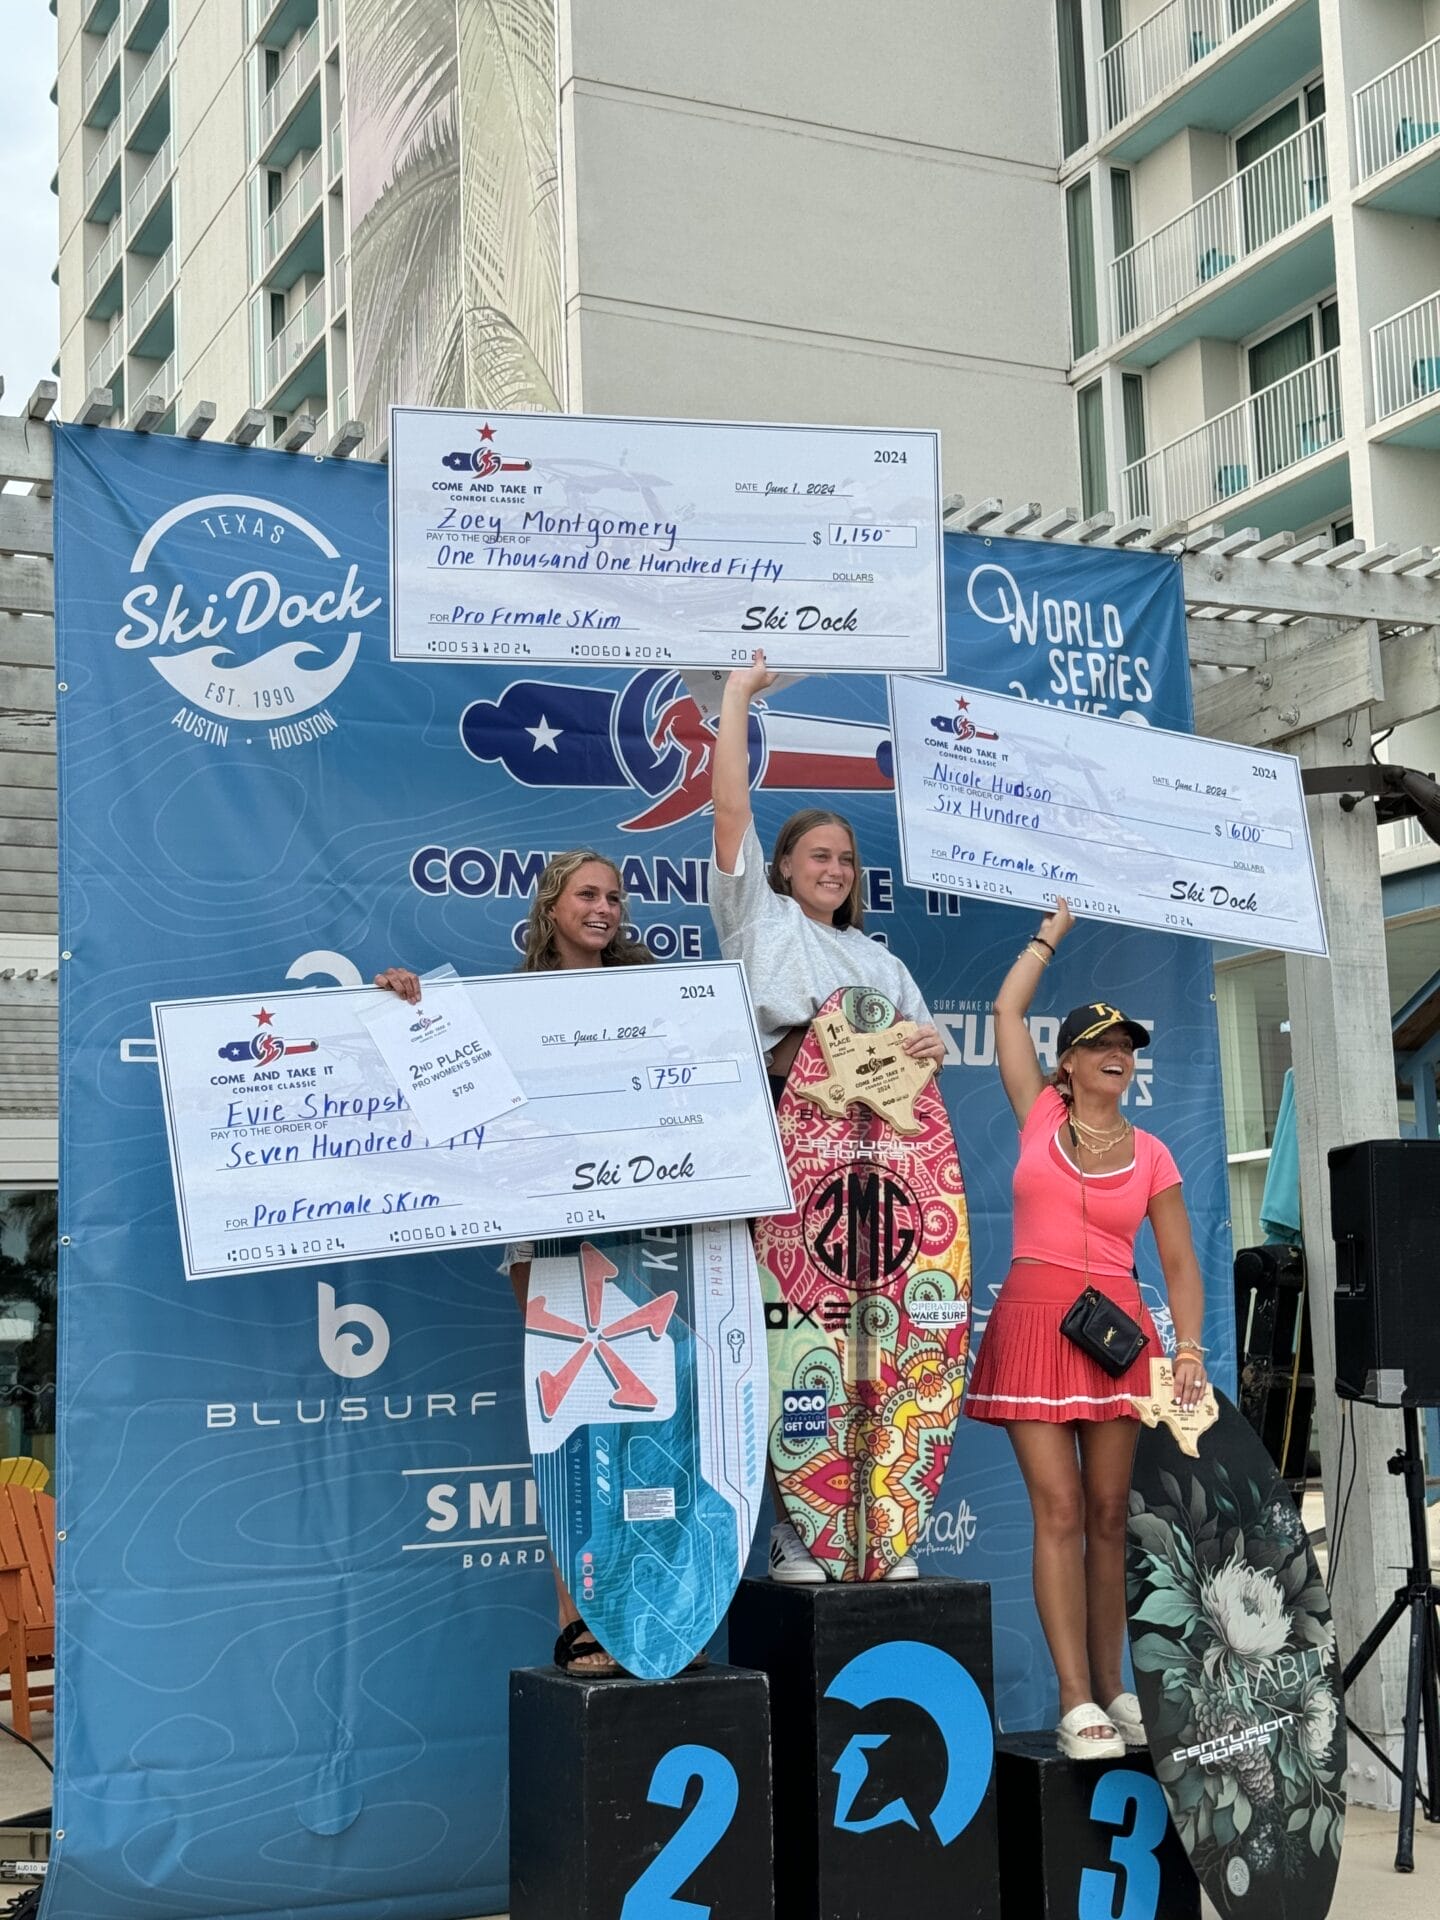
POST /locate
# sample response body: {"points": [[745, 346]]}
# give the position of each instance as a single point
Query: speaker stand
{"points": [[1417, 1600]]}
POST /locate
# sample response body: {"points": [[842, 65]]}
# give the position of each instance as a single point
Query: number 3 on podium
{"points": [[1116, 1794]]}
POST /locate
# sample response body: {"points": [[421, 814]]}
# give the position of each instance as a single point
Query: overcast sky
{"points": [[29, 235]]}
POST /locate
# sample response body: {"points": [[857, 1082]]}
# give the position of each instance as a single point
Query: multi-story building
{"points": [[1252, 213], [202, 206], [755, 225], [1252, 198]]}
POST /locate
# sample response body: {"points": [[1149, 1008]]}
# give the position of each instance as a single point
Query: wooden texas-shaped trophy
{"points": [[871, 1069], [1159, 1408]]}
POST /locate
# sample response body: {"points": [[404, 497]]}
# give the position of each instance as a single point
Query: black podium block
{"points": [[628, 1797], [882, 1733], [1088, 1837]]}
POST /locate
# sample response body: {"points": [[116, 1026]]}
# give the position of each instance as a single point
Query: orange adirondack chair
{"points": [[27, 1599]]}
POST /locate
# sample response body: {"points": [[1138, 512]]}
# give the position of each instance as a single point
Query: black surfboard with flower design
{"points": [[1237, 1671]]}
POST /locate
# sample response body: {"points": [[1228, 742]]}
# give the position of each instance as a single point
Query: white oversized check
{"points": [[1013, 800], [565, 539], [291, 1145]]}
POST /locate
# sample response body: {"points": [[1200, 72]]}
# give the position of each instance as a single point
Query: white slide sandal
{"points": [[1123, 1713], [1076, 1744]]}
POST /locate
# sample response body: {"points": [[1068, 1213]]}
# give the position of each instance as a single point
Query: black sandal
{"points": [[576, 1642]]}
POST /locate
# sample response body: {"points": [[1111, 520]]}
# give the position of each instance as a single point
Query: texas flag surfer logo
{"points": [[959, 723], [484, 459], [266, 1046], [654, 737]]}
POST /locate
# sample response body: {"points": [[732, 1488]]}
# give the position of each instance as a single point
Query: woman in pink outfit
{"points": [[1085, 1181]]}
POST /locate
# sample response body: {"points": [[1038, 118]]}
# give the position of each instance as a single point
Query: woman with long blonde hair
{"points": [[577, 919], [798, 925]]}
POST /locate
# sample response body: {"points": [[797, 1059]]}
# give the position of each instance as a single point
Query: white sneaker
{"points": [[905, 1569], [790, 1561]]}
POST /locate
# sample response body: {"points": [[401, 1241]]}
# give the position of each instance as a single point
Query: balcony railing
{"points": [[100, 163], [295, 339], [337, 143], [1398, 111], [340, 282], [151, 294], [299, 202], [1272, 430], [291, 81], [1405, 357], [106, 362], [106, 260], [332, 22], [1161, 50], [1265, 199], [151, 78], [152, 183], [164, 381], [98, 71]]}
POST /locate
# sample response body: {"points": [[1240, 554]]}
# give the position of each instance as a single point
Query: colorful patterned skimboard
{"points": [[867, 1291], [646, 1403], [1235, 1664]]}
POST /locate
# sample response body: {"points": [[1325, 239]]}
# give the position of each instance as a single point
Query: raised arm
{"points": [[1020, 1073], [730, 781]]}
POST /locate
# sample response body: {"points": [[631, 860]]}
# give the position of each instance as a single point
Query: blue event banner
{"points": [[297, 1558]]}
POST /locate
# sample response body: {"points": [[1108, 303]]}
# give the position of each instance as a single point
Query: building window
{"points": [[1080, 241], [1094, 489], [1070, 32], [1133, 390], [1122, 216]]}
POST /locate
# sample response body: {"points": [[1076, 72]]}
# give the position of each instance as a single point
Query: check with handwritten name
{"points": [[646, 1104], [566, 540], [1016, 801]]}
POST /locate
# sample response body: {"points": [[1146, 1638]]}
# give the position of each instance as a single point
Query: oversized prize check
{"points": [[568, 540], [290, 1143], [1013, 800]]}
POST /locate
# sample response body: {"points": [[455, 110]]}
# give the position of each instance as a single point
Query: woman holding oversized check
{"points": [[797, 925], [577, 919], [1085, 1181]]}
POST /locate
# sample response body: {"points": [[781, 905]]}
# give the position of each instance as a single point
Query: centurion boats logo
{"points": [[255, 657]]}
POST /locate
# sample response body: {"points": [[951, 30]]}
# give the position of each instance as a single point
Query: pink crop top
{"points": [[1048, 1222]]}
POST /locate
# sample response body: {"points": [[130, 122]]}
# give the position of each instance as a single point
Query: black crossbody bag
{"points": [[1094, 1323]]}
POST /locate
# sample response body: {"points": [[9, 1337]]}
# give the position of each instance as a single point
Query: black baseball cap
{"points": [[1094, 1019]]}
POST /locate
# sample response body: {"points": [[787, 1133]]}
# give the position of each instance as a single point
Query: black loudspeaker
{"points": [[1385, 1217]]}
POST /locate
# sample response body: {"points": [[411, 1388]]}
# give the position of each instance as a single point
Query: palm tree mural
{"points": [[452, 177]]}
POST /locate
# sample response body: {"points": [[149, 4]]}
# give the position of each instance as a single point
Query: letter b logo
{"points": [[346, 1353]]}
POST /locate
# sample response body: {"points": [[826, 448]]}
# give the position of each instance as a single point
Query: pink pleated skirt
{"points": [[1027, 1370]]}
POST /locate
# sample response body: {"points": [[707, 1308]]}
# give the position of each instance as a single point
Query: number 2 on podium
{"points": [[653, 1895]]}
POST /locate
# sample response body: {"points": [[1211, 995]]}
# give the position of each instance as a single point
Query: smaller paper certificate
{"points": [[442, 1056]]}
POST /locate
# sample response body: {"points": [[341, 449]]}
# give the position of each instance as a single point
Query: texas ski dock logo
{"points": [[242, 682]]}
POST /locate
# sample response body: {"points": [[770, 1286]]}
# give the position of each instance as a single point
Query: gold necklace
{"points": [[1093, 1140]]}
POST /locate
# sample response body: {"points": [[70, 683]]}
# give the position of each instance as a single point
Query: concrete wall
{"points": [[756, 232], [211, 218]]}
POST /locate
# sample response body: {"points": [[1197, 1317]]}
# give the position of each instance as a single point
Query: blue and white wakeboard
{"points": [[647, 1401]]}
